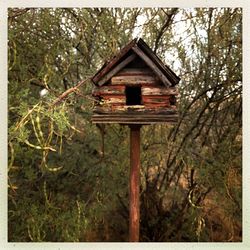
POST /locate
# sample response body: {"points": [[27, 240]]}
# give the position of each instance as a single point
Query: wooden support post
{"points": [[134, 199]]}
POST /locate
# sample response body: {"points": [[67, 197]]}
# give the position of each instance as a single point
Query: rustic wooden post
{"points": [[134, 195], [135, 88]]}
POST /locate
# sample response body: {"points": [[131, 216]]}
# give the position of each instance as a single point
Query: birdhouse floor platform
{"points": [[137, 114], [134, 119]]}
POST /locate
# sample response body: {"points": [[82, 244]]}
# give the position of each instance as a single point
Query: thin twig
{"points": [[67, 92]]}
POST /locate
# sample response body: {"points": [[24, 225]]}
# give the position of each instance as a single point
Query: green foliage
{"points": [[68, 179]]}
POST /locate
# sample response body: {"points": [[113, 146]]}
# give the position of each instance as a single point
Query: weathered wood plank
{"points": [[128, 108], [112, 90], [159, 91], [156, 99], [114, 100], [108, 65], [148, 108], [135, 72], [108, 96], [151, 108], [121, 109], [157, 105], [135, 84], [109, 108], [135, 120], [170, 74], [134, 187], [117, 69], [123, 122], [132, 116], [152, 65], [147, 119], [134, 80]]}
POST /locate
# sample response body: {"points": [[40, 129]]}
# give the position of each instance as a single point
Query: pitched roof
{"points": [[136, 48]]}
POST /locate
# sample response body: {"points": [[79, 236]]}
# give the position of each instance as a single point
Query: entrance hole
{"points": [[133, 95]]}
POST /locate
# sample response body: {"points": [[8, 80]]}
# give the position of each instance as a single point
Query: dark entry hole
{"points": [[133, 95], [172, 100]]}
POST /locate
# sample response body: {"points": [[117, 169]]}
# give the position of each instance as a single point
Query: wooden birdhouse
{"points": [[135, 87]]}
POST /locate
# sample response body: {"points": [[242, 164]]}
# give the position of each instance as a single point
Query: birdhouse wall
{"points": [[135, 87], [154, 96]]}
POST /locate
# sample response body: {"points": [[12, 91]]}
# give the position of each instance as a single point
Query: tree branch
{"points": [[68, 91], [167, 23]]}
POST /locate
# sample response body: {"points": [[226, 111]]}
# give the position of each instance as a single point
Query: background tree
{"points": [[68, 179]]}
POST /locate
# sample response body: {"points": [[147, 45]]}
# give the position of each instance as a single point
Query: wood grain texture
{"points": [[167, 76], [151, 64], [112, 90], [136, 110], [116, 69], [113, 99], [135, 72], [132, 119], [164, 68], [126, 80], [134, 187], [155, 99], [158, 91], [135, 121], [109, 65], [157, 105]]}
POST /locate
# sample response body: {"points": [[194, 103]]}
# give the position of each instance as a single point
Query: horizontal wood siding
{"points": [[156, 106], [158, 91], [114, 99], [146, 90], [116, 69], [120, 108], [135, 80], [155, 99], [135, 72], [109, 90], [132, 119]]}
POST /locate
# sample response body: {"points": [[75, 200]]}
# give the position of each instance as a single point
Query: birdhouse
{"points": [[135, 87]]}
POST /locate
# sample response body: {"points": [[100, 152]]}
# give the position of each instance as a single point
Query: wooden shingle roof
{"points": [[136, 48]]}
